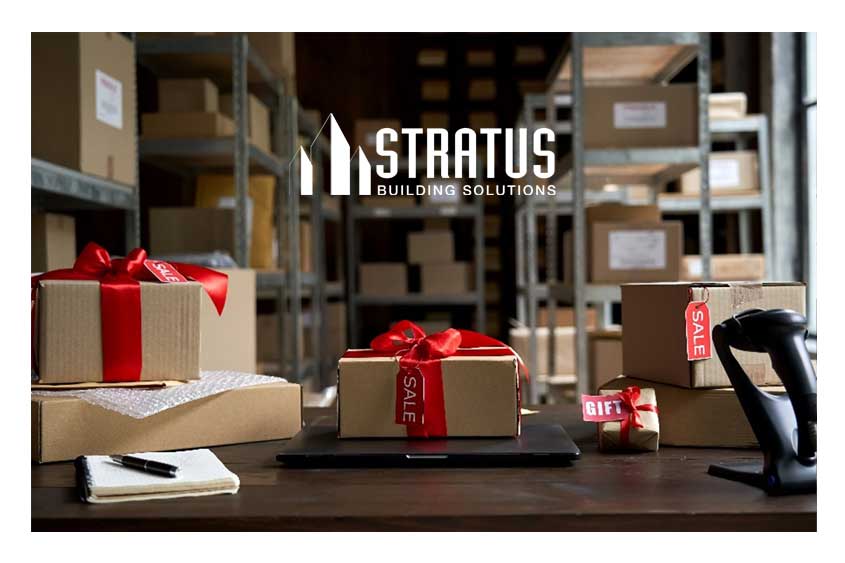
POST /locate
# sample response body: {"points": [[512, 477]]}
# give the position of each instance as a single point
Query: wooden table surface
{"points": [[668, 490]]}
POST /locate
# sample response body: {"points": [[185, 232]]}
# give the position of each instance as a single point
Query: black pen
{"points": [[147, 465]]}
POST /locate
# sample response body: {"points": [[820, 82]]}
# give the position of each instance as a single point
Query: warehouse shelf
{"points": [[421, 212], [207, 154], [470, 299], [689, 204], [79, 190]]}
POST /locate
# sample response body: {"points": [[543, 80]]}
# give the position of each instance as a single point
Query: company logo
{"points": [[447, 157]]}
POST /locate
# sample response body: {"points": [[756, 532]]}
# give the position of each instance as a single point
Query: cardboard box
{"points": [[446, 278], [564, 349], [725, 267], [187, 95], [654, 339], [186, 125], [180, 230], [434, 120], [706, 418], [83, 103], [70, 340], [730, 171], [278, 50], [431, 247], [383, 278], [482, 89], [641, 116], [218, 191], [434, 90], [605, 357], [64, 428], [258, 120], [227, 341], [366, 131], [565, 316], [480, 397], [388, 201], [629, 252], [727, 105], [53, 242], [482, 120]]}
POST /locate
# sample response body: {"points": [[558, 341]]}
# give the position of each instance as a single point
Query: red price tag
{"points": [[164, 272], [410, 397], [603, 408], [697, 320]]}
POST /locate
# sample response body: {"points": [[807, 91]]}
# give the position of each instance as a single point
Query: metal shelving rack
{"points": [[357, 213], [247, 71], [673, 161]]}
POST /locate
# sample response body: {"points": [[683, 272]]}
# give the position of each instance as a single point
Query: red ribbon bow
{"points": [[420, 360], [120, 302], [630, 396]]}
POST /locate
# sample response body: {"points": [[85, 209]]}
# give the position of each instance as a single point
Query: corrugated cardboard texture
{"points": [[383, 278], [65, 427], [605, 357], [187, 95], [726, 267], [564, 348], [747, 177], [53, 242], [186, 124], [365, 135], [480, 395], [708, 418], [446, 278], [65, 128], [654, 340], [565, 316], [70, 333], [431, 247], [228, 341], [175, 230], [258, 123], [601, 272], [646, 438], [681, 117]]}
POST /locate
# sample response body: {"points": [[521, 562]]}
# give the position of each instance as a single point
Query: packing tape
{"points": [[745, 294]]}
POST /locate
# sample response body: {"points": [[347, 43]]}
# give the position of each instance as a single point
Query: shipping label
{"points": [[639, 115], [697, 321], [637, 250], [109, 100], [724, 173]]}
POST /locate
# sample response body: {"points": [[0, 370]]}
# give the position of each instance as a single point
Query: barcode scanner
{"points": [[784, 425]]}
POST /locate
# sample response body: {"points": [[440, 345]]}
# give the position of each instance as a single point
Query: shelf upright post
{"points": [[133, 215], [531, 286], [764, 170], [352, 257], [579, 219], [551, 250], [705, 215], [291, 130], [478, 229], [519, 228], [319, 331], [240, 49], [284, 151]]}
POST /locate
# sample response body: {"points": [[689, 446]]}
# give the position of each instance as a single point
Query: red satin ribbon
{"points": [[629, 397], [423, 354], [120, 302]]}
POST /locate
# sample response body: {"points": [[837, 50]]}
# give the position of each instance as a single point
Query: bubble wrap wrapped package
{"points": [[141, 403]]}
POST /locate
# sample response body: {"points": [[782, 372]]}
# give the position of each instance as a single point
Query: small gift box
{"points": [[452, 383], [627, 419], [122, 320]]}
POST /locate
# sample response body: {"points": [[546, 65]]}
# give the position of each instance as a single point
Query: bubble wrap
{"points": [[141, 403]]}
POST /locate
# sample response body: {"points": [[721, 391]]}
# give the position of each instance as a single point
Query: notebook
{"points": [[100, 480]]}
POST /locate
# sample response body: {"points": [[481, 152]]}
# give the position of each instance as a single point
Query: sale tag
{"points": [[410, 397], [603, 408], [164, 272], [697, 321]]}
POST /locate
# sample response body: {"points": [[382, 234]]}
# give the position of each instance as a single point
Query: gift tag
{"points": [[164, 272], [697, 320], [603, 408], [410, 397]]}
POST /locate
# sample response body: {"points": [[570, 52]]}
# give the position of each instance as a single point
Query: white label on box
{"points": [[637, 250], [724, 173], [694, 266], [639, 115], [109, 99]]}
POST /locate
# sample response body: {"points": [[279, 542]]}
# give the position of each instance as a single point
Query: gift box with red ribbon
{"points": [[120, 320], [455, 383], [638, 427]]}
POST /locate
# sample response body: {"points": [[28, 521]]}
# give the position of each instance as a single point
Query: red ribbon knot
{"points": [[630, 396]]}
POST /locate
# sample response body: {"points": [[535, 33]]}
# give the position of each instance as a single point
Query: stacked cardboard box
{"points": [[188, 107], [53, 242], [726, 267], [730, 172], [434, 252]]}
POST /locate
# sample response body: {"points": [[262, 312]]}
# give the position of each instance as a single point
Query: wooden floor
{"points": [[668, 490]]}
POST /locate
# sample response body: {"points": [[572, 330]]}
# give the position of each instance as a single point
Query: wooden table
{"points": [[668, 490]]}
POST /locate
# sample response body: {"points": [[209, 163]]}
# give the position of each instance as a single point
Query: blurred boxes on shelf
{"points": [[66, 427], [387, 201], [431, 57], [482, 89], [431, 247], [707, 418], [442, 192], [183, 230], [605, 357], [653, 315], [195, 124], [730, 171], [178, 95], [564, 363], [482, 120], [366, 135], [227, 341], [725, 267], [53, 242], [83, 103], [641, 116], [70, 340], [446, 278], [258, 119], [434, 90], [565, 316], [383, 278], [727, 105], [278, 50], [335, 321], [434, 120]]}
